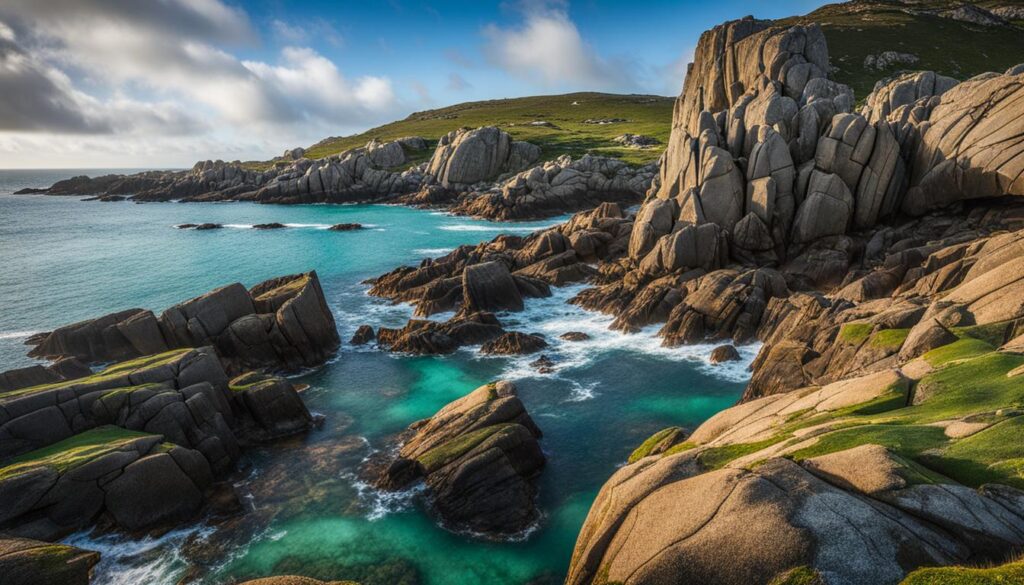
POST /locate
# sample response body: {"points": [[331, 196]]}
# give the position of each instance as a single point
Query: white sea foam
{"points": [[553, 316], [432, 251], [239, 226], [17, 334], [126, 560], [463, 227], [380, 503]]}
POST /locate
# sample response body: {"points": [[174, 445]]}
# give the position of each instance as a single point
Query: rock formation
{"points": [[282, 323], [559, 186], [478, 457], [465, 157]]}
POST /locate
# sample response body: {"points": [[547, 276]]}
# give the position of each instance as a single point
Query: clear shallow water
{"points": [[310, 509]]}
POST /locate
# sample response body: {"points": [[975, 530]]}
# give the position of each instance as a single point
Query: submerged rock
{"points": [[269, 226], [345, 227], [363, 335], [478, 457], [724, 353], [514, 343]]}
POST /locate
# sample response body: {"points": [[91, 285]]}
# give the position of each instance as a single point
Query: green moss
{"points": [[718, 457], [73, 451], [994, 334], [446, 452], [803, 575], [965, 348], [855, 333], [889, 339], [969, 386], [1008, 574], [118, 370], [645, 448], [995, 454], [680, 448], [906, 440]]}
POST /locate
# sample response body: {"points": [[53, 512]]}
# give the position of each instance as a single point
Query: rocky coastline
{"points": [[478, 172], [877, 256]]}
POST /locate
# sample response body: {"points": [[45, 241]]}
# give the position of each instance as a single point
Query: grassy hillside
{"points": [[644, 114], [867, 27]]}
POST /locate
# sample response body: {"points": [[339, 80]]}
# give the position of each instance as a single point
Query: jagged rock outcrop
{"points": [[138, 480], [25, 561], [559, 186], [421, 336], [465, 157], [478, 457], [281, 323]]}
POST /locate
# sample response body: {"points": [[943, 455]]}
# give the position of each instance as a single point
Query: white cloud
{"points": [[547, 46], [128, 68]]}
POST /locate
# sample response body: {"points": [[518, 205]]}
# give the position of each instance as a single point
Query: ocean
{"points": [[310, 507]]}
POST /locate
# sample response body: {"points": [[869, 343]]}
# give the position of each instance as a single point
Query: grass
{"points": [[1009, 574], [645, 448], [855, 333], [855, 31], [889, 339], [446, 452], [73, 451], [718, 457], [969, 383], [802, 575], [962, 349], [906, 440], [647, 115], [994, 334], [992, 455]]}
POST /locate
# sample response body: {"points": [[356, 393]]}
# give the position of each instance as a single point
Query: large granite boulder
{"points": [[464, 157], [971, 146], [478, 457]]}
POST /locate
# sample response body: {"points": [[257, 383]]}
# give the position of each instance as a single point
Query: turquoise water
{"points": [[310, 509]]}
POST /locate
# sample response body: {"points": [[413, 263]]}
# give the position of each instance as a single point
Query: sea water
{"points": [[309, 505]]}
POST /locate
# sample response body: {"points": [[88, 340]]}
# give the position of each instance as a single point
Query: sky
{"points": [[164, 83]]}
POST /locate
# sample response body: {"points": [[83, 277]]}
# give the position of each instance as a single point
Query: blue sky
{"points": [[114, 83]]}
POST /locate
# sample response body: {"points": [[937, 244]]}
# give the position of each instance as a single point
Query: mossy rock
{"points": [[1008, 574], [799, 576], [118, 370], [450, 451], [659, 442], [855, 333], [73, 451]]}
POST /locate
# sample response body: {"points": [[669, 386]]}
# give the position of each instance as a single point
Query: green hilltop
{"points": [[568, 133], [951, 47]]}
